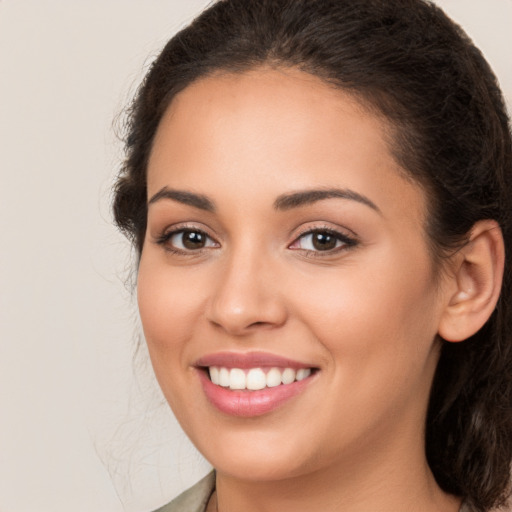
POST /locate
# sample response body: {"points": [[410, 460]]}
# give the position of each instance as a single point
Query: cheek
{"points": [[379, 338], [168, 308], [168, 305], [380, 315]]}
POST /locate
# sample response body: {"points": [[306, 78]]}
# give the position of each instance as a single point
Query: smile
{"points": [[254, 379], [252, 384]]}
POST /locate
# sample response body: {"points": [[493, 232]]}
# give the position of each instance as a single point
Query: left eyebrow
{"points": [[306, 197]]}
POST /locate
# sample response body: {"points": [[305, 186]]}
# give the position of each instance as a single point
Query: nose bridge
{"points": [[246, 295]]}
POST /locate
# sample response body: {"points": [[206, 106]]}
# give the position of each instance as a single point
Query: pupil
{"points": [[193, 240], [324, 241]]}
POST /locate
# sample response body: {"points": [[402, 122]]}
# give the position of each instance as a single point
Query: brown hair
{"points": [[409, 62]]}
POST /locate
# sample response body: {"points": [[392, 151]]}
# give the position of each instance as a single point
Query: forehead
{"points": [[280, 127]]}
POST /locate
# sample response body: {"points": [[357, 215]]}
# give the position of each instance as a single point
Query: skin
{"points": [[365, 315]]}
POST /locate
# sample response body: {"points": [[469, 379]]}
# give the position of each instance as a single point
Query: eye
{"points": [[322, 240], [186, 240]]}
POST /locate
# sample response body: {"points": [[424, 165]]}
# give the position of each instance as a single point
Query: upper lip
{"points": [[249, 360]]}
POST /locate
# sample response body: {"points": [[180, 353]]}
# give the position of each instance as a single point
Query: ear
{"points": [[477, 278]]}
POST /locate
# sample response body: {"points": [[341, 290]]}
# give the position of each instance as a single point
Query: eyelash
{"points": [[347, 242], [165, 238]]}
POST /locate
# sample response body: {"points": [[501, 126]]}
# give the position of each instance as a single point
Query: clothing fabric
{"points": [[196, 498]]}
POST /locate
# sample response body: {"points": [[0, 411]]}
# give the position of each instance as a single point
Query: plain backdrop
{"points": [[83, 426]]}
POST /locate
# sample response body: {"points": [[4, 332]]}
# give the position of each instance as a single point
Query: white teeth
{"points": [[255, 378], [273, 378], [288, 376], [214, 375], [303, 373], [224, 377], [237, 379]]}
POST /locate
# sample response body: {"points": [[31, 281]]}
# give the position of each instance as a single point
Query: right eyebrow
{"points": [[182, 196]]}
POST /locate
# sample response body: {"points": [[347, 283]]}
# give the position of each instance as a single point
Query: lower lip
{"points": [[250, 403]]}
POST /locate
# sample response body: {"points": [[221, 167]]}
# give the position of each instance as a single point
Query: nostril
{"points": [[259, 324]]}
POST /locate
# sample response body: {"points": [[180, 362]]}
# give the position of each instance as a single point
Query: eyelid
{"points": [[346, 236], [348, 240], [170, 231], [184, 226]]}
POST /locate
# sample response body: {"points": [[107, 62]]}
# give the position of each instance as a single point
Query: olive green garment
{"points": [[194, 499]]}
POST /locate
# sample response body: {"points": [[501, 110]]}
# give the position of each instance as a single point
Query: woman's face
{"points": [[286, 252]]}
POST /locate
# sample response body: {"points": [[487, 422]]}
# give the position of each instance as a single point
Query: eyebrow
{"points": [[306, 197], [190, 198], [282, 203]]}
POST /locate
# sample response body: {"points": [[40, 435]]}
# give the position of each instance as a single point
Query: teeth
{"points": [[255, 378], [303, 373], [224, 377], [273, 377], [288, 376], [214, 375]]}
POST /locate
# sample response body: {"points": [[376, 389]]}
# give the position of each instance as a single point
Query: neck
{"points": [[392, 479]]}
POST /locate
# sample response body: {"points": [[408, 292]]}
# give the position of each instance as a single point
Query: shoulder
{"points": [[194, 499]]}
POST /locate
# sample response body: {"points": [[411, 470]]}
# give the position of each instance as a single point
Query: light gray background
{"points": [[82, 425]]}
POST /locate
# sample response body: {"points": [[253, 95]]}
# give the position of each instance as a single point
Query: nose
{"points": [[246, 297]]}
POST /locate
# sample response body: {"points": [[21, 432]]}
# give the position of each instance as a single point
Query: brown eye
{"points": [[193, 239], [323, 241], [187, 240]]}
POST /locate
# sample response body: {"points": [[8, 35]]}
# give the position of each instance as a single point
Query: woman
{"points": [[319, 192]]}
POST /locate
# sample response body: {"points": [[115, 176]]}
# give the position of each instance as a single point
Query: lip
{"points": [[247, 403], [249, 360]]}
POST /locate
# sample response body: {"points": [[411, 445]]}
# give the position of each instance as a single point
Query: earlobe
{"points": [[477, 283]]}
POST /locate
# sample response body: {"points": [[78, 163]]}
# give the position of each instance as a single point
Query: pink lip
{"points": [[249, 403], [249, 360]]}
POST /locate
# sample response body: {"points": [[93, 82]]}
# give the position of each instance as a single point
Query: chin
{"points": [[256, 456], [257, 467]]}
